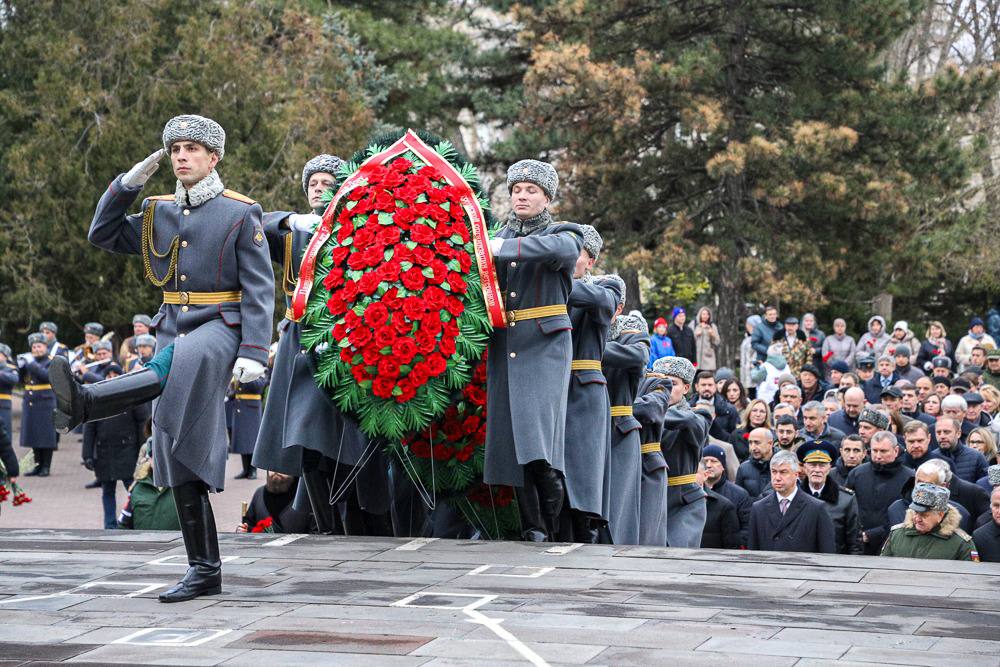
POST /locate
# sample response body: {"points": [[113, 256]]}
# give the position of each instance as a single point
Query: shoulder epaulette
{"points": [[964, 535], [161, 197], [850, 491], [232, 194]]}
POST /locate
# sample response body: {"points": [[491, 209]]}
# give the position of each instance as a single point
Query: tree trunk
{"points": [[730, 315]]}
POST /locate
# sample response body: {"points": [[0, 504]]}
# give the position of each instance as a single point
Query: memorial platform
{"points": [[89, 597]]}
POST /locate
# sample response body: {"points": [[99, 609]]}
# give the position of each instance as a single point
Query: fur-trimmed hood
{"points": [[947, 527]]}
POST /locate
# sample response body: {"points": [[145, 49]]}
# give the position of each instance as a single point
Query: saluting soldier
{"points": [[55, 348], [127, 352], [650, 408], [302, 431], [625, 357], [37, 429], [529, 360], [204, 246], [685, 432], [8, 379], [592, 305]]}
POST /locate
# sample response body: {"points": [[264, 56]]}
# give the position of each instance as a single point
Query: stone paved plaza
{"points": [[89, 597]]}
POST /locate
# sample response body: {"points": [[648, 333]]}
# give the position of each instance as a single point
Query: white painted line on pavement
{"points": [[171, 637], [282, 541], [415, 544], [143, 587], [537, 571], [563, 549], [493, 625], [411, 600]]}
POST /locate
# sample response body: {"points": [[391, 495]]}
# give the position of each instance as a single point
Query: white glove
{"points": [[247, 370], [303, 222], [24, 359], [496, 245], [140, 173]]}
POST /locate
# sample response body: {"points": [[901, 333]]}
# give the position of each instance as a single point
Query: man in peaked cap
{"points": [[51, 331], [204, 246], [592, 306], [930, 529], [529, 360], [817, 458]]}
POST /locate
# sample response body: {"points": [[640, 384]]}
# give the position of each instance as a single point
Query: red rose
{"points": [[336, 305], [369, 283], [435, 298], [437, 196], [364, 237], [371, 355], [401, 165], [360, 374], [457, 283], [402, 254], [357, 193], [352, 320], [385, 337], [409, 391], [444, 249], [436, 365], [471, 423], [421, 449], [430, 173], [422, 255], [405, 217], [441, 453], [388, 367], [389, 271], [454, 306], [360, 337], [464, 262], [333, 279], [465, 453], [392, 179], [382, 386], [349, 291], [453, 431], [431, 326], [340, 254], [439, 215], [346, 355], [384, 201], [418, 375], [404, 349], [376, 314], [425, 341], [422, 234], [476, 395], [413, 279], [402, 326], [413, 307], [356, 261], [447, 345], [440, 272]]}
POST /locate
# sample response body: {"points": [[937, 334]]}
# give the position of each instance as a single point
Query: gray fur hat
{"points": [[145, 339], [992, 473], [929, 497], [592, 241], [142, 319], [617, 280], [677, 367], [36, 338], [48, 326], [93, 328], [875, 418], [328, 164], [540, 173], [5, 350], [199, 129], [102, 345]]}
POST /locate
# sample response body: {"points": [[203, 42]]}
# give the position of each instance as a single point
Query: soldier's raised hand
{"points": [[140, 173], [303, 222]]}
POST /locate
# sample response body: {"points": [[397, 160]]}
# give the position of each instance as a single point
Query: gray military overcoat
{"points": [[650, 409], [529, 363], [684, 435], [220, 248], [588, 417], [624, 364]]}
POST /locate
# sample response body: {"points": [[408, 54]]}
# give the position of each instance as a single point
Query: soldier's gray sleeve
{"points": [[601, 300], [112, 228], [276, 233], [257, 283], [629, 351], [651, 407], [559, 250]]}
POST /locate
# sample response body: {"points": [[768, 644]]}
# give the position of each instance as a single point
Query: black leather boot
{"points": [[533, 527], [551, 490], [204, 575], [584, 529], [78, 403], [318, 489]]}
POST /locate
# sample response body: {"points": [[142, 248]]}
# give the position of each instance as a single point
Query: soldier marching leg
{"points": [[204, 575], [78, 403]]}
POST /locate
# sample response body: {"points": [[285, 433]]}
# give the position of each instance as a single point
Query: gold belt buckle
{"points": [[511, 316], [185, 298]]}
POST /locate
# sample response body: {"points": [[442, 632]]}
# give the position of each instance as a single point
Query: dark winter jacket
{"points": [[876, 487], [722, 524], [842, 507], [683, 340], [754, 476], [762, 337], [7, 455], [873, 388], [839, 472], [727, 418], [967, 463], [805, 526], [929, 350], [739, 497], [987, 539], [840, 421], [113, 444]]}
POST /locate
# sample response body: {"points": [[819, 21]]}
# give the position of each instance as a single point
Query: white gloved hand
{"points": [[247, 370], [303, 222], [24, 359], [140, 173], [496, 245]]}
